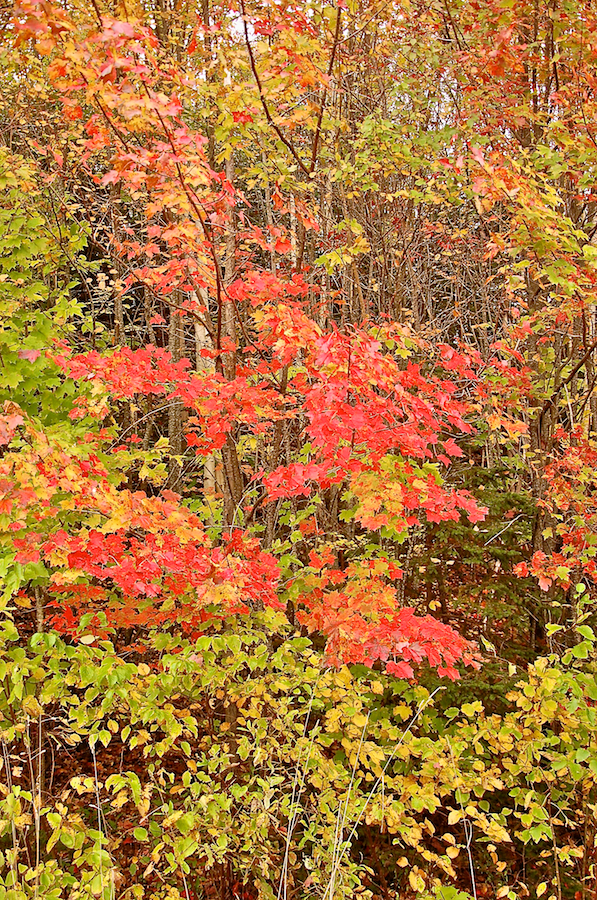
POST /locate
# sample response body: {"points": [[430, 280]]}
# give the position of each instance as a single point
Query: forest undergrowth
{"points": [[298, 416]]}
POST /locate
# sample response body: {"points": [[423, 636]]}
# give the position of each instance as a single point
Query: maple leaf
{"points": [[29, 355]]}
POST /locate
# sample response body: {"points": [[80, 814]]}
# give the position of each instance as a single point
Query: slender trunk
{"points": [[41, 755], [203, 342], [175, 411], [233, 479], [269, 211], [293, 240]]}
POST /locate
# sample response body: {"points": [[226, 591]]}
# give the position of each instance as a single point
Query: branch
{"points": [[323, 99], [268, 115], [551, 400]]}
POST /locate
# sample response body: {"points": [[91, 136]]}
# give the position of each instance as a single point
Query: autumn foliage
{"points": [[298, 324]]}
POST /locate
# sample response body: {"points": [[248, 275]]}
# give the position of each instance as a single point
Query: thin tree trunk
{"points": [[203, 341], [175, 411], [233, 480]]}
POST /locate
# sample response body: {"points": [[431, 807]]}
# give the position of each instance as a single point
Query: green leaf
{"points": [[581, 651], [234, 642], [185, 823]]}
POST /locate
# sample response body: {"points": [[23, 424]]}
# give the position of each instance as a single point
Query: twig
{"points": [[422, 706], [264, 104]]}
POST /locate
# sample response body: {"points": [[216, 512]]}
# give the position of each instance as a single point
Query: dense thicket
{"points": [[298, 319]]}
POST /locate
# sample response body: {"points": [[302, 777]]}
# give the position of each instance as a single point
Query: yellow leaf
{"points": [[119, 800], [31, 707], [345, 675], [541, 888], [455, 816], [416, 882]]}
